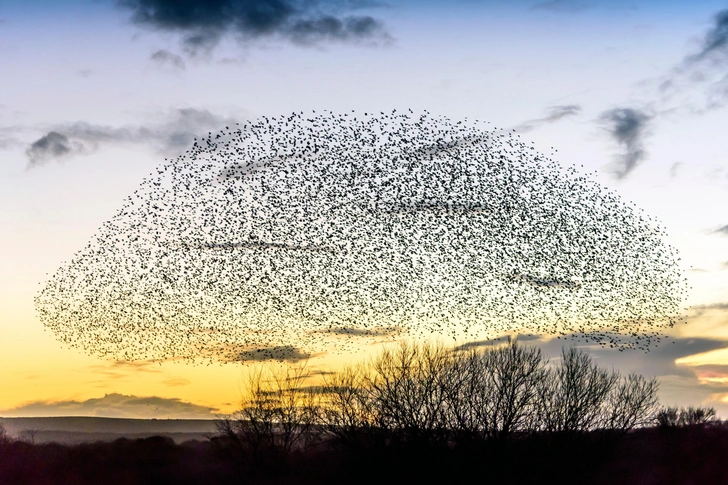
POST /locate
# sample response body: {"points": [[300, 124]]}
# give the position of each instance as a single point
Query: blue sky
{"points": [[634, 90]]}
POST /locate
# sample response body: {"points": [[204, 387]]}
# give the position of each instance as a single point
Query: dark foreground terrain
{"points": [[85, 429], [679, 455]]}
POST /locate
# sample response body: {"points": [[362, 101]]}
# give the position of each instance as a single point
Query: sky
{"points": [[95, 94]]}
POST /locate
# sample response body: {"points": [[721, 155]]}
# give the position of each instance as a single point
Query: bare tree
{"points": [[572, 395], [632, 403], [694, 416], [671, 417], [492, 393], [467, 395], [406, 390], [278, 413], [425, 393], [30, 434], [346, 411], [667, 417], [512, 374]]}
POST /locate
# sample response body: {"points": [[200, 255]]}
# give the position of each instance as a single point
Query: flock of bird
{"points": [[323, 232]]}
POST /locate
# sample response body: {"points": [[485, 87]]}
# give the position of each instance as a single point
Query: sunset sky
{"points": [[94, 94]]}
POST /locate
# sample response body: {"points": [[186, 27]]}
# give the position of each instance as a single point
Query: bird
{"points": [[292, 236]]}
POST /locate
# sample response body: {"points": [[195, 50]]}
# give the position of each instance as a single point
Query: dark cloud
{"points": [[543, 282], [328, 27], [722, 230], [172, 134], [557, 112], [115, 406], [706, 68], [203, 24], [259, 245], [565, 6], [167, 59], [715, 42], [50, 146], [698, 310], [496, 341], [363, 332], [553, 113], [628, 127], [281, 353], [659, 362]]}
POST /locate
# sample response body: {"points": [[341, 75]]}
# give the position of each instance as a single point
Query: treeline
{"points": [[428, 395]]}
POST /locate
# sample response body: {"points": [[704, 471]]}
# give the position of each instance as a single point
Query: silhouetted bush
{"points": [[672, 417], [667, 417]]}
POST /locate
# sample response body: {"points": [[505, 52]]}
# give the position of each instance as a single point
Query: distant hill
{"points": [[74, 429]]}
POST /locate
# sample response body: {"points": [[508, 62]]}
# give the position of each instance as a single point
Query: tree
{"points": [[346, 410], [30, 434], [406, 391], [632, 403], [571, 396], [671, 417], [278, 413], [492, 393], [512, 374], [696, 416], [667, 417]]}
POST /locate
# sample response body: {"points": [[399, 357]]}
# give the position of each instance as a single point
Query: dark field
{"points": [[679, 455], [76, 430]]}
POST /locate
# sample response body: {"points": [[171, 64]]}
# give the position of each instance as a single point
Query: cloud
{"points": [[170, 136], [722, 230], [166, 59], [680, 384], [331, 28], [698, 310], [705, 67], [52, 146], [116, 406], [659, 362], [628, 127], [715, 42], [364, 332], [7, 141], [562, 6], [176, 382], [281, 353], [543, 282], [675, 169], [494, 341], [123, 370], [553, 114], [203, 24]]}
